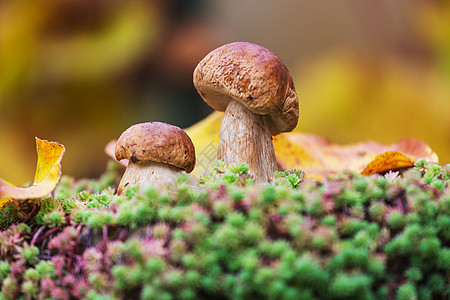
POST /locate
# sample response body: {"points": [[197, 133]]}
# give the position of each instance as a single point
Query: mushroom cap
{"points": [[255, 77], [159, 142]]}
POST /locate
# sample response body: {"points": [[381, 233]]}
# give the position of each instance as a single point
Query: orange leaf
{"points": [[48, 173], [291, 155], [390, 160], [205, 136], [319, 158], [313, 154]]}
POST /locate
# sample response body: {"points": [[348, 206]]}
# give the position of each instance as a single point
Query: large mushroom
{"points": [[254, 88], [156, 152]]}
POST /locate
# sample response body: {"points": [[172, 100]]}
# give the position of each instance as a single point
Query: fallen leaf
{"points": [[289, 153], [329, 158], [205, 136], [48, 173], [313, 154], [390, 160]]}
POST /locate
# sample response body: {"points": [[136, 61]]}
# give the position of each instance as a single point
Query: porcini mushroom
{"points": [[254, 88], [156, 152]]}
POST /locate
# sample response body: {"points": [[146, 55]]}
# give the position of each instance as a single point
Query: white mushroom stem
{"points": [[154, 173], [245, 138]]}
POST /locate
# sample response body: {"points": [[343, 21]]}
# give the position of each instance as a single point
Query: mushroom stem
{"points": [[245, 137], [155, 173]]}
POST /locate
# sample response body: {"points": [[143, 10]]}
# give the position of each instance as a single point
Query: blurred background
{"points": [[80, 72]]}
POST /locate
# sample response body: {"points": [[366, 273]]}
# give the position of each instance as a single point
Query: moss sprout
{"points": [[406, 291]]}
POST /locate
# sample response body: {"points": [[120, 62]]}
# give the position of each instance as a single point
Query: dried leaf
{"points": [[48, 173], [330, 158], [313, 154], [390, 160], [289, 153], [205, 136]]}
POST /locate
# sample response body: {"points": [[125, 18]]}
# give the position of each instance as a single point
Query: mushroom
{"points": [[157, 153], [254, 88]]}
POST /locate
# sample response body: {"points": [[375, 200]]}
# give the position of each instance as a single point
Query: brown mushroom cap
{"points": [[159, 142], [255, 77]]}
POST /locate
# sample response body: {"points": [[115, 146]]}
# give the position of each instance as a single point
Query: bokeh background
{"points": [[80, 72]]}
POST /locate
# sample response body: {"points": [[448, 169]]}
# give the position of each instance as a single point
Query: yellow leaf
{"points": [[390, 160], [48, 173], [319, 158], [291, 155], [313, 154], [205, 137]]}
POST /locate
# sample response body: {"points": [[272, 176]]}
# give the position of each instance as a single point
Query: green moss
{"points": [[350, 237], [354, 286], [45, 269], [5, 270], [406, 292]]}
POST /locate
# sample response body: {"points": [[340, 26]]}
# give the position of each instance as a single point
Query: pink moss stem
{"points": [[36, 235]]}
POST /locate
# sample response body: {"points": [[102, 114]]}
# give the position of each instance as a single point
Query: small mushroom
{"points": [[254, 88], [157, 153]]}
